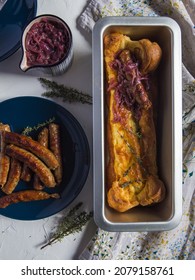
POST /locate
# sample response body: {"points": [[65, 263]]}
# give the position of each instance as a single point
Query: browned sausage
{"points": [[43, 137], [13, 177], [25, 196], [4, 159], [4, 127], [4, 168], [55, 147], [43, 140], [33, 163], [37, 184], [26, 173], [33, 146]]}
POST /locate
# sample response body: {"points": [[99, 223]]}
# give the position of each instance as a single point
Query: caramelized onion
{"points": [[131, 85], [46, 43]]}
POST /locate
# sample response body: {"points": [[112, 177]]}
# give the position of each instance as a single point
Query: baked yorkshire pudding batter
{"points": [[132, 177]]}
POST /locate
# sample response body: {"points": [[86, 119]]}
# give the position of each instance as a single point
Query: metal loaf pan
{"points": [[167, 214]]}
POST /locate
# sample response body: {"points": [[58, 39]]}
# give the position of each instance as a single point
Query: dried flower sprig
{"points": [[72, 223], [68, 94]]}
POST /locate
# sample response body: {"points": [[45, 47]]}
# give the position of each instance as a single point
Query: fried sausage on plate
{"points": [[43, 140], [4, 159], [33, 162], [55, 147], [13, 176], [33, 146], [25, 196]]}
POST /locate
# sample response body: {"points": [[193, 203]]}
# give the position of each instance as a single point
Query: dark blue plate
{"points": [[20, 112], [14, 16]]}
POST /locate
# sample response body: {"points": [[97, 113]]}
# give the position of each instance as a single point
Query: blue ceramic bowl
{"points": [[14, 16]]}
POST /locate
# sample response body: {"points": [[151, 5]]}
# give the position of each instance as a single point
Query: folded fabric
{"points": [[178, 243]]}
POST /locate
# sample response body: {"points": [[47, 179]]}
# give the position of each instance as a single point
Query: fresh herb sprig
{"points": [[29, 129], [68, 94], [72, 223]]}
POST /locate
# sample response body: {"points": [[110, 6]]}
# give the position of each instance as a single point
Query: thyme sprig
{"points": [[72, 223], [68, 94], [29, 129]]}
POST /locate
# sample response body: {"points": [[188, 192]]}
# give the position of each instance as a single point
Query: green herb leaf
{"points": [[72, 223], [27, 130], [68, 94]]}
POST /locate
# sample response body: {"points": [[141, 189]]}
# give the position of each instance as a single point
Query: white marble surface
{"points": [[22, 239]]}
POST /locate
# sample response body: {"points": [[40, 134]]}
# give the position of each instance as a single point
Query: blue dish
{"points": [[14, 16], [20, 112]]}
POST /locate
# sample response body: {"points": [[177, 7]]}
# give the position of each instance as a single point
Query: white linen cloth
{"points": [[178, 243]]}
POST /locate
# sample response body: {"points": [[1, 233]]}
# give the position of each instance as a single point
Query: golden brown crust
{"points": [[149, 54], [131, 172], [153, 191]]}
